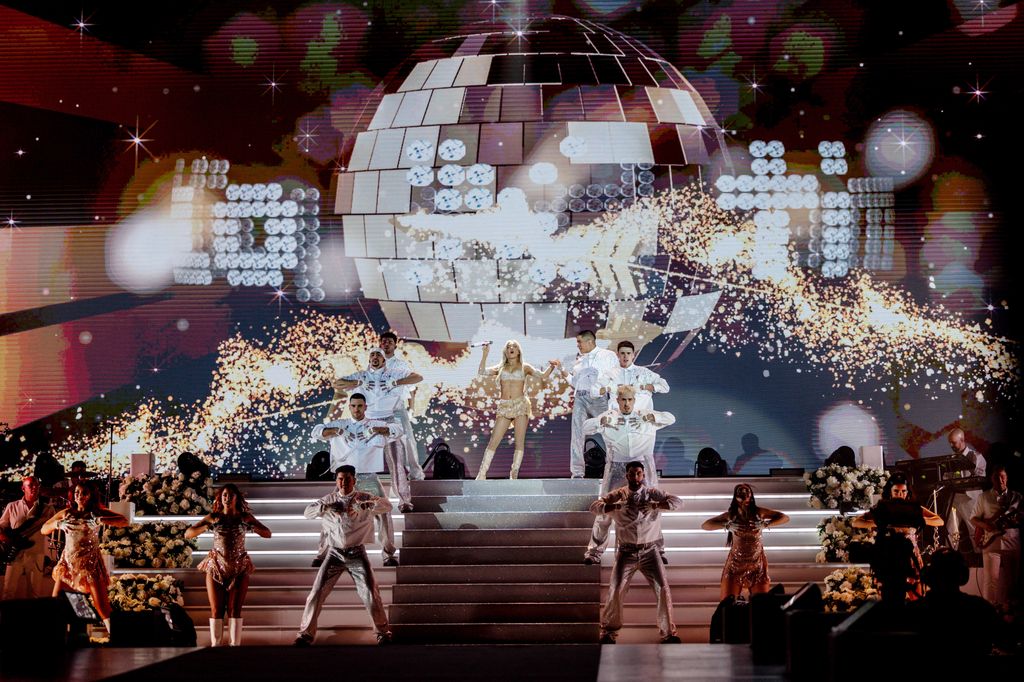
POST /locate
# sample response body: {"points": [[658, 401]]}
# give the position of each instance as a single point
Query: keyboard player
{"points": [[964, 501]]}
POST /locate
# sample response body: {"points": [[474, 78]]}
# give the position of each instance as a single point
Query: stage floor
{"points": [[610, 663]]}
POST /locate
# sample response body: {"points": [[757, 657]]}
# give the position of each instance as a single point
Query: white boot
{"points": [[517, 461], [216, 631], [235, 631], [106, 624], [485, 464]]}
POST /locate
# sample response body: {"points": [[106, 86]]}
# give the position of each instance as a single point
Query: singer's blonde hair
{"points": [[625, 391]]}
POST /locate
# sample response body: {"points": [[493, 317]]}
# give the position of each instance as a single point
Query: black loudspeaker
{"points": [[33, 624], [768, 627], [167, 626]]}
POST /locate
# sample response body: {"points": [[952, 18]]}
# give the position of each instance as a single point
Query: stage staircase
{"points": [[501, 560]]}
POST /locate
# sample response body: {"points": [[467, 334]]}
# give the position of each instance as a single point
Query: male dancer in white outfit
{"points": [[645, 381], [629, 436], [394, 363], [583, 371], [636, 510], [347, 516], [361, 442], [998, 513], [384, 398]]}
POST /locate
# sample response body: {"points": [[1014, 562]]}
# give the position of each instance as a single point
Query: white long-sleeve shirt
{"points": [[356, 444], [584, 369], [400, 367], [341, 529], [635, 376], [383, 397], [629, 436], [637, 520]]}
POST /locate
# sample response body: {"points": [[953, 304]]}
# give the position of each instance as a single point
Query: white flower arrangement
{"points": [[836, 534], [844, 488], [846, 589], [169, 493], [149, 545], [137, 592]]}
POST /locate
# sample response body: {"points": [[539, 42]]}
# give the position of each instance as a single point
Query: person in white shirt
{"points": [[629, 436], [347, 515], [965, 501], [26, 576], [636, 510], [385, 398], [584, 371], [360, 442], [513, 404], [645, 381], [395, 363], [998, 515]]}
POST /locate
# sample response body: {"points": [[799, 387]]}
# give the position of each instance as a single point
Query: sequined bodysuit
{"points": [[81, 564], [228, 560], [746, 564]]}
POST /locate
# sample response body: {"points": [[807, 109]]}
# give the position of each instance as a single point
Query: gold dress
{"points": [[81, 564], [746, 564], [228, 560]]}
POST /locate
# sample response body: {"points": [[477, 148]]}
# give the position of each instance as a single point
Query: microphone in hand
{"points": [[478, 344]]}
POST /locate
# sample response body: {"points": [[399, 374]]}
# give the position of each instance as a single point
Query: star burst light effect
{"points": [[81, 24], [138, 139], [267, 393]]}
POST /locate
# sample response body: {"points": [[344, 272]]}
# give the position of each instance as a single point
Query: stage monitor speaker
{"points": [[167, 626], [142, 464], [871, 456], [807, 598], [33, 624]]}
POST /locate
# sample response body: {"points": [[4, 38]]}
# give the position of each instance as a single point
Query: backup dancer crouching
{"points": [[384, 390], [629, 436], [514, 404], [636, 510], [360, 442], [347, 516]]}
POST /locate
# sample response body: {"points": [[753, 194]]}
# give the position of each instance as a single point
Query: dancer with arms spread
{"points": [[228, 565], [513, 405]]}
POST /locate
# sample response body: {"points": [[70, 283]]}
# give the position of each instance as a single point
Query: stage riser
{"points": [[495, 592], [497, 633], [418, 556], [444, 594], [491, 612], [483, 538]]}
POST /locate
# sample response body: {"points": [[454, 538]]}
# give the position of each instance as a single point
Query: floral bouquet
{"points": [[847, 589], [139, 592], [837, 534], [169, 493], [149, 545], [846, 488]]}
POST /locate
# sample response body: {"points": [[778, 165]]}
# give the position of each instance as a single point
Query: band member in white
{"points": [[645, 381], [23, 544], [964, 501], [361, 442], [513, 405], [385, 397], [347, 515], [998, 515], [396, 363], [584, 371], [636, 510], [629, 436]]}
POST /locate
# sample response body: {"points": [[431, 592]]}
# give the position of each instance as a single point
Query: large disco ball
{"points": [[475, 194]]}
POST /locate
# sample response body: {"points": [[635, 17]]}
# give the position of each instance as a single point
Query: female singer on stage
{"points": [[228, 565], [746, 565], [81, 567], [513, 405], [898, 513]]}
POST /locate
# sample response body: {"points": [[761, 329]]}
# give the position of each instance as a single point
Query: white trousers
{"points": [[628, 560], [583, 408], [336, 562]]}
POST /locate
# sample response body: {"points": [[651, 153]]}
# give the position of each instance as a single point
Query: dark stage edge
{"points": [[618, 663]]}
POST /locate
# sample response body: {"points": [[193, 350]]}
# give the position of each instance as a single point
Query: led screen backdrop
{"points": [[798, 212]]}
